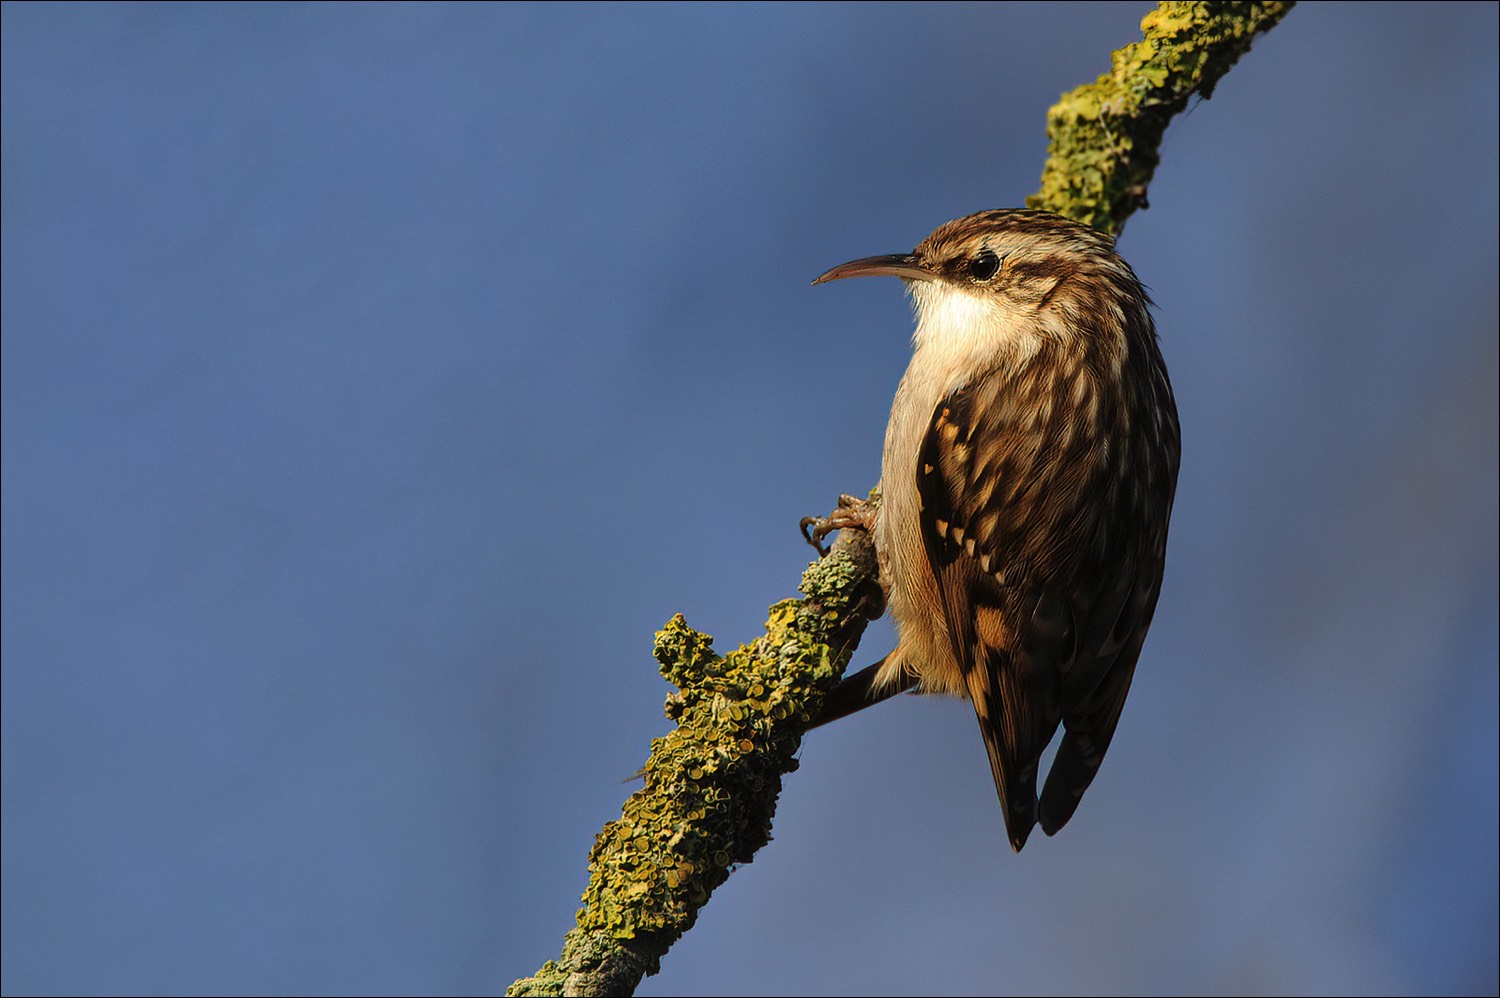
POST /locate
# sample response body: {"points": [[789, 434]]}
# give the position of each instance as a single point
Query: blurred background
{"points": [[378, 379]]}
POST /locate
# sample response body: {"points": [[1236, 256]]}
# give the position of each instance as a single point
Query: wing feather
{"points": [[1047, 581], [971, 533]]}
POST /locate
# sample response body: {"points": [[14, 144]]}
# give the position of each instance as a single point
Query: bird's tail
{"points": [[1012, 766]]}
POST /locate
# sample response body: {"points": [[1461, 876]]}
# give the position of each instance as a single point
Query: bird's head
{"points": [[1004, 269]]}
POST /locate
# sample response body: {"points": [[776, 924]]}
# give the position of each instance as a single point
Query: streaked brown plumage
{"points": [[1028, 476]]}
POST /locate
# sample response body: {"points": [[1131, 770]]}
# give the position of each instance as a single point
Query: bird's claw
{"points": [[851, 512], [820, 529]]}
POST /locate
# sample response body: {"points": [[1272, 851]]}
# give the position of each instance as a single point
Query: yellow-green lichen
{"points": [[712, 782], [1104, 135]]}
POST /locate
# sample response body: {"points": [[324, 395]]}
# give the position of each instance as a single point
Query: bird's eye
{"points": [[984, 266]]}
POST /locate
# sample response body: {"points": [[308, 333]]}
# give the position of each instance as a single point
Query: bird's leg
{"points": [[859, 691], [851, 512]]}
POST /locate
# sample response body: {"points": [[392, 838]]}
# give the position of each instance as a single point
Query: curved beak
{"points": [[903, 265]]}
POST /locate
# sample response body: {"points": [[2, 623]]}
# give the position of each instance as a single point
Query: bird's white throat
{"points": [[960, 333]]}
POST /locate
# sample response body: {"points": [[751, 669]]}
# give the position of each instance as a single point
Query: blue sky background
{"points": [[377, 380]]}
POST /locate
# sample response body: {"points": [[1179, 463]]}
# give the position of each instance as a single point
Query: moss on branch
{"points": [[711, 784], [1104, 136]]}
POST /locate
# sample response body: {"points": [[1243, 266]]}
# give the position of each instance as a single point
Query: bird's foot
{"points": [[851, 512]]}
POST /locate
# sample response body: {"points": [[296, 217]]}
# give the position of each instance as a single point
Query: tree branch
{"points": [[711, 785], [1104, 136]]}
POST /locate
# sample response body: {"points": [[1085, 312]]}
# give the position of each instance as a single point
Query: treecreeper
{"points": [[1027, 480]]}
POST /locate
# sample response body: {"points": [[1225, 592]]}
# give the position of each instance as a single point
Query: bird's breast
{"points": [[914, 601]]}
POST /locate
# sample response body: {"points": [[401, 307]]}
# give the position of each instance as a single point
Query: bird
{"points": [[1027, 481]]}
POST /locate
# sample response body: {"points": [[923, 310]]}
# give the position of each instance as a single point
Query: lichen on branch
{"points": [[1104, 136], [711, 784]]}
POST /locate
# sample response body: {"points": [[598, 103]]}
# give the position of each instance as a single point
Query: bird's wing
{"points": [[978, 482], [1099, 680]]}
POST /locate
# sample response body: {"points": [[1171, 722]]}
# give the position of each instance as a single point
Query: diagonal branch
{"points": [[1104, 136], [712, 783]]}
